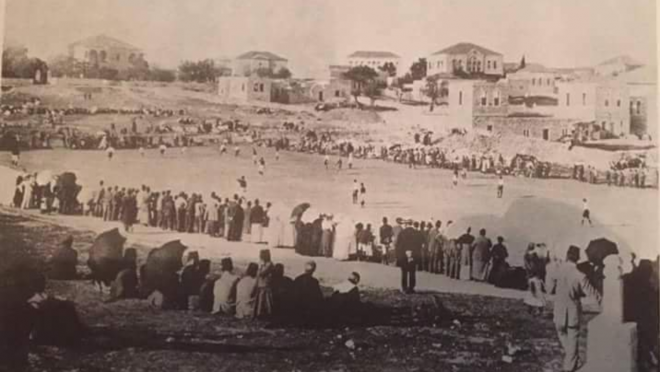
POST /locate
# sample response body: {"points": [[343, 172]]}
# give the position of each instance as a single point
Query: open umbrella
{"points": [[160, 270], [600, 248], [105, 256], [299, 210]]}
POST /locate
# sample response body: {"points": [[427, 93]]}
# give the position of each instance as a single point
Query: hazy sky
{"points": [[314, 33]]}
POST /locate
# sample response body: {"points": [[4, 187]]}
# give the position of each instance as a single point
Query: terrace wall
{"points": [[525, 126]]}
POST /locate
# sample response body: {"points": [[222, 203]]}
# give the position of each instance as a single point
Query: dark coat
{"points": [[408, 240]]}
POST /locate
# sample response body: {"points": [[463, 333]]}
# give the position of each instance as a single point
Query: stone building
{"points": [[248, 63], [373, 59], [604, 102], [642, 88], [467, 57], [533, 80], [106, 52], [245, 88]]}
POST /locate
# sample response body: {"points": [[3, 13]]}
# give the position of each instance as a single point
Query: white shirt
{"points": [[585, 206]]}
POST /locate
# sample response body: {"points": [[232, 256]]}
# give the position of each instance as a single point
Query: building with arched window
{"points": [[104, 51], [466, 57]]}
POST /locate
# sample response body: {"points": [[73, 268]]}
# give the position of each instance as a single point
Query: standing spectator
{"points": [[263, 306], [408, 249], [569, 286], [386, 233], [480, 256]]}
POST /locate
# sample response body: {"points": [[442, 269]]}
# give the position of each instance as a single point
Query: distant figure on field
{"points": [[586, 214], [500, 186]]}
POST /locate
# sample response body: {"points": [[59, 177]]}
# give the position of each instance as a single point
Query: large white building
{"points": [[106, 52], [373, 59], [467, 57]]}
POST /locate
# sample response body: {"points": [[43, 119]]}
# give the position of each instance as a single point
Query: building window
{"points": [[526, 132], [618, 103], [607, 103], [548, 81], [638, 109], [494, 64], [483, 98], [438, 64], [103, 55], [533, 81], [261, 87], [488, 65], [496, 98], [337, 93], [460, 97], [256, 87], [243, 88], [489, 128], [564, 132], [584, 99], [603, 124], [568, 99]]}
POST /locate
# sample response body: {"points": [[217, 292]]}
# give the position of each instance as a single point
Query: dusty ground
{"points": [[464, 333]]}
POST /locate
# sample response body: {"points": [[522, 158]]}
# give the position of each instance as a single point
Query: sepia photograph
{"points": [[329, 185]]}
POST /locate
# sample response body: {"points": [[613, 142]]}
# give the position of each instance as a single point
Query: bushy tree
{"points": [[201, 71], [432, 90], [16, 63], [418, 69], [162, 75], [389, 68], [360, 77]]}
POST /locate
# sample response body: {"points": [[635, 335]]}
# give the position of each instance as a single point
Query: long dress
{"points": [[464, 273], [344, 239], [480, 258], [143, 212], [326, 240]]}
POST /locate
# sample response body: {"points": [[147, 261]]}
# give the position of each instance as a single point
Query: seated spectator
{"points": [[246, 292], [224, 290], [192, 279], [345, 299], [308, 295], [282, 292], [64, 261], [206, 290], [125, 284]]}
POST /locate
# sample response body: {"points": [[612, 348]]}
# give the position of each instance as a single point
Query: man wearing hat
{"points": [[569, 285], [408, 250]]}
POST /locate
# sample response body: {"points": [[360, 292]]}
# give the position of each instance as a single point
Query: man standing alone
{"points": [[569, 286], [408, 250]]}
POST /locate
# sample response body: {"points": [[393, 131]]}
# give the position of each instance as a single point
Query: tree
{"points": [[374, 89], [522, 62], [432, 90], [360, 76], [418, 69], [282, 73], [162, 75], [389, 68], [201, 71], [16, 63]]}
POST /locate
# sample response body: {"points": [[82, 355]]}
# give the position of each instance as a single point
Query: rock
{"points": [[507, 359], [350, 344]]}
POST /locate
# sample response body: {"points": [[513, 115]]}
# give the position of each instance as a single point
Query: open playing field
{"points": [[531, 209]]}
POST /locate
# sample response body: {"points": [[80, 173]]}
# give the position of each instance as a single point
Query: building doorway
{"points": [[321, 96], [546, 134]]}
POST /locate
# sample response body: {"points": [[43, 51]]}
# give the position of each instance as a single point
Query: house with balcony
{"points": [[465, 59]]}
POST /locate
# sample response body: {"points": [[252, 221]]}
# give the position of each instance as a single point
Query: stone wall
{"points": [[536, 127]]}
